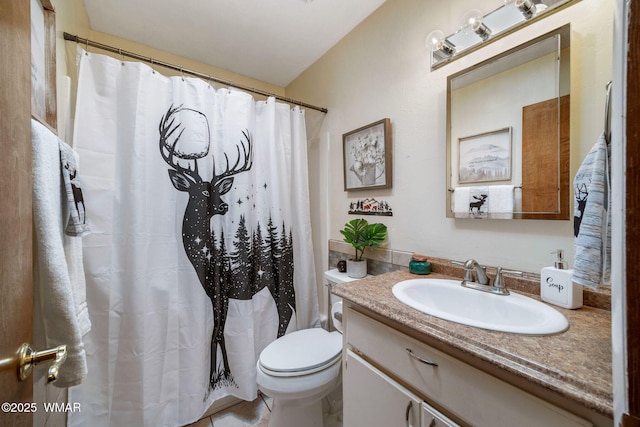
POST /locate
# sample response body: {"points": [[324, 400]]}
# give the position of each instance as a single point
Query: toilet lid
{"points": [[303, 350]]}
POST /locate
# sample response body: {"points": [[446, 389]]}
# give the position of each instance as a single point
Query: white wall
{"points": [[381, 69]]}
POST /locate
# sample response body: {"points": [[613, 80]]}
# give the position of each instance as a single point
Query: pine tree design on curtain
{"points": [[256, 262]]}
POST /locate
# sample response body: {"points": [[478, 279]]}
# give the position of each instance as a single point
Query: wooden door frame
{"points": [[16, 283], [632, 218]]}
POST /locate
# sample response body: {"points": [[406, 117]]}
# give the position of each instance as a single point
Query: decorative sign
{"points": [[370, 206]]}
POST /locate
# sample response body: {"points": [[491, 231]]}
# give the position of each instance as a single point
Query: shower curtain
{"points": [[200, 253]]}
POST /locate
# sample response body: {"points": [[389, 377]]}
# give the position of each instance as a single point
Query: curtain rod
{"points": [[203, 76]]}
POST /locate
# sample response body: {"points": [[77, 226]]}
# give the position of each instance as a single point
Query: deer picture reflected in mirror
{"points": [[508, 133]]}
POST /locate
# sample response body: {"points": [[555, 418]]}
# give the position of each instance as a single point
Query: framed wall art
{"points": [[367, 157], [485, 157]]}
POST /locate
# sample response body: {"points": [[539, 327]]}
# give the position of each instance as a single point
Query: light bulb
{"points": [[540, 6], [473, 19], [526, 7], [535, 6], [437, 42]]}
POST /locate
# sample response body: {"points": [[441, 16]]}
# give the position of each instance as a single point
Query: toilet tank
{"points": [[332, 278]]}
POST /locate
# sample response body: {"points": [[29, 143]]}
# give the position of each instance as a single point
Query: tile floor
{"points": [[244, 414], [257, 413]]}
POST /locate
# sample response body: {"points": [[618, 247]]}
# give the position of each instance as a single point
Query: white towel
{"points": [[592, 218], [501, 201], [59, 285], [471, 202], [461, 202]]}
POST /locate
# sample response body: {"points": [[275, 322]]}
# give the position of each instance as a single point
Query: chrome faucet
{"points": [[481, 272], [482, 282]]}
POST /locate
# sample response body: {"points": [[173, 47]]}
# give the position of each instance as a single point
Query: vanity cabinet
{"points": [[379, 401], [381, 362]]}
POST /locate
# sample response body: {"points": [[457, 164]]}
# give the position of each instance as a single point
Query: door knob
{"points": [[27, 359]]}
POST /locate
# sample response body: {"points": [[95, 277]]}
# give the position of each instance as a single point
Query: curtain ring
{"points": [[86, 46], [121, 56], [153, 71]]}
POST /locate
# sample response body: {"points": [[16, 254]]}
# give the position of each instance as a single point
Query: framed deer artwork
{"points": [[367, 157]]}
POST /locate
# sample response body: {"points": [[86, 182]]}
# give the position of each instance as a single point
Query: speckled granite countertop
{"points": [[575, 364]]}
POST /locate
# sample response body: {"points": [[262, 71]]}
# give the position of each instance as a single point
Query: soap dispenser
{"points": [[556, 286]]}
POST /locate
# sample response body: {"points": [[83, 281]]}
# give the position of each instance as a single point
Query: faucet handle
{"points": [[468, 271], [511, 272], [498, 282]]}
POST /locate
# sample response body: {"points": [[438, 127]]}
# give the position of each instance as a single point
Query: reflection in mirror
{"points": [[508, 134]]}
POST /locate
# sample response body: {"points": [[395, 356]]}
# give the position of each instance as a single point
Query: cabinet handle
{"points": [[425, 361], [407, 413]]}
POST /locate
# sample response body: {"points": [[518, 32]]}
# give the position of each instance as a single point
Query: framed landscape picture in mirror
{"points": [[485, 157], [367, 157]]}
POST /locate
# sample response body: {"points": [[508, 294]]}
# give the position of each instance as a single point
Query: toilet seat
{"points": [[301, 353]]}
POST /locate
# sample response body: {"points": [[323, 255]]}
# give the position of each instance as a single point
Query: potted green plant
{"points": [[361, 235]]}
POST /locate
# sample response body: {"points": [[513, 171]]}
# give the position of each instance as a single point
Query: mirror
{"points": [[508, 133]]}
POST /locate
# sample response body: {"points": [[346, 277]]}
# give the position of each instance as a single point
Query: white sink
{"points": [[448, 300]]}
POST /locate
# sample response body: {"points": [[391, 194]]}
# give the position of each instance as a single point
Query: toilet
{"points": [[299, 369]]}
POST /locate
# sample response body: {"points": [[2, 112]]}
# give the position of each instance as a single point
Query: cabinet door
{"points": [[432, 418], [372, 399]]}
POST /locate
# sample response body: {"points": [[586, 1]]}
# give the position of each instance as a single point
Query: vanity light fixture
{"points": [[439, 45], [473, 19], [477, 30]]}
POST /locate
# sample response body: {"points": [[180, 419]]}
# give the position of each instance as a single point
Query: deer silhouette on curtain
{"points": [[258, 261]]}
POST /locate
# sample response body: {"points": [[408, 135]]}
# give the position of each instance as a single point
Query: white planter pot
{"points": [[356, 269]]}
